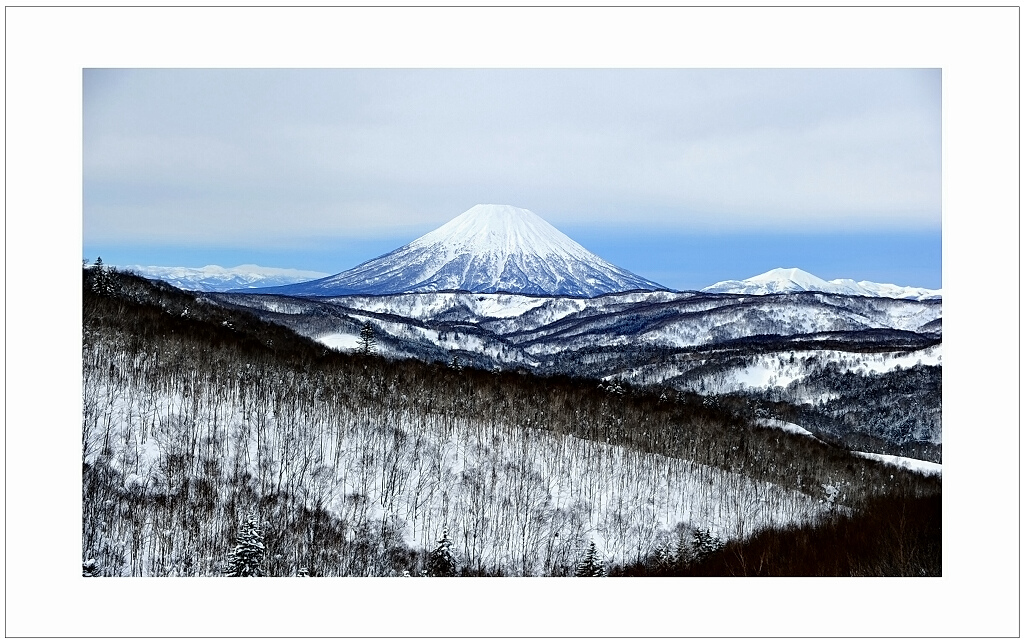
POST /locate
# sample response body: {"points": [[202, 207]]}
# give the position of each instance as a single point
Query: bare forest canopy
{"points": [[205, 427]]}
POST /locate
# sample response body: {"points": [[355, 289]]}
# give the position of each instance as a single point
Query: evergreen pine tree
{"points": [[662, 558], [367, 340], [89, 568], [704, 544], [247, 559], [442, 562], [101, 279], [681, 555], [590, 564]]}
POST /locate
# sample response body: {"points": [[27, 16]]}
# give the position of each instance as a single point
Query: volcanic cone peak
{"points": [[486, 249]]}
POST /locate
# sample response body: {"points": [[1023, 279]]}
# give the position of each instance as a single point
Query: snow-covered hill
{"points": [[487, 249], [786, 280], [217, 279], [546, 332]]}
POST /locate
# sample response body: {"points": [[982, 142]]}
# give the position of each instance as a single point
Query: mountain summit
{"points": [[486, 249]]}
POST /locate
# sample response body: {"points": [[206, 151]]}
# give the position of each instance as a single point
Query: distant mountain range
{"points": [[790, 280], [495, 249], [252, 278], [217, 279]]}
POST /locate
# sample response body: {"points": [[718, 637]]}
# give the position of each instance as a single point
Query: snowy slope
{"points": [[783, 367], [921, 466], [487, 249], [787, 280], [217, 279], [646, 338], [544, 327]]}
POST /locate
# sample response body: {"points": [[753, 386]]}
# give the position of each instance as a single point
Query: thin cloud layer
{"points": [[271, 157]]}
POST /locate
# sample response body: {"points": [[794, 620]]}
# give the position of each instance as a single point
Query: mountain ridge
{"points": [[790, 280], [214, 278]]}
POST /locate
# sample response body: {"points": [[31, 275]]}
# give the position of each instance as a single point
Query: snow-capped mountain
{"points": [[487, 249], [787, 280], [217, 279]]}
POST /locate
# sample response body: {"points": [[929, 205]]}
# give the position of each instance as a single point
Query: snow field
{"points": [[340, 341], [921, 466], [886, 362], [788, 427]]}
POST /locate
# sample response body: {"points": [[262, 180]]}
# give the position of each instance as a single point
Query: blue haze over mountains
{"points": [[501, 248]]}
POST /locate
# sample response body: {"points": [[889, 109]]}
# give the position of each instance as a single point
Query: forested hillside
{"points": [[206, 428], [808, 349]]}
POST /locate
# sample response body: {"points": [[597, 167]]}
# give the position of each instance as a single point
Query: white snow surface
{"points": [[486, 249], [339, 341], [501, 230], [920, 466], [214, 278], [783, 280], [886, 362], [788, 427], [760, 375]]}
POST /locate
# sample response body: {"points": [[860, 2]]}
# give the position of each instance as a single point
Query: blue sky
{"points": [[684, 176]]}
